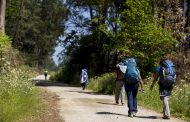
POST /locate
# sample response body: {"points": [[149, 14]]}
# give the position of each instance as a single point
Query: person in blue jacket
{"points": [[84, 78]]}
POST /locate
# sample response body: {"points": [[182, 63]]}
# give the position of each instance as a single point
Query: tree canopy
{"points": [[35, 27], [93, 33]]}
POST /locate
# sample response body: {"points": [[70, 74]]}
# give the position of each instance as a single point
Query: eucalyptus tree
{"points": [[35, 27], [91, 19]]}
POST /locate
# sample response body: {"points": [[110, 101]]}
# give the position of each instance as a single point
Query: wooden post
{"points": [[2, 15]]}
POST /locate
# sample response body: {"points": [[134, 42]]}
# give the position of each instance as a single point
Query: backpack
{"points": [[168, 74], [84, 76], [121, 69], [132, 72]]}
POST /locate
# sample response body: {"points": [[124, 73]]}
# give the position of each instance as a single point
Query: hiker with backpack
{"points": [[167, 77], [84, 78], [119, 83], [132, 80]]}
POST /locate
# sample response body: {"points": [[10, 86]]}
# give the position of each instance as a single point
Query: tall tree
{"points": [[35, 26], [2, 15]]}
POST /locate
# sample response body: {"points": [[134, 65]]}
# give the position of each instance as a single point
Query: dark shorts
{"points": [[83, 84], [165, 90]]}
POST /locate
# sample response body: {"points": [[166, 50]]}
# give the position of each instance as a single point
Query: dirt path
{"points": [[76, 105]]}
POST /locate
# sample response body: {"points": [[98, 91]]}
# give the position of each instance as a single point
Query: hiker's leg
{"points": [[84, 86], [135, 91], [122, 94], [45, 76], [129, 98], [120, 85], [162, 99], [166, 106], [117, 93], [130, 101]]}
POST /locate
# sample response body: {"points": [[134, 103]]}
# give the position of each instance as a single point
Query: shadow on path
{"points": [[46, 83], [143, 117], [111, 113], [148, 117], [106, 103], [86, 92]]}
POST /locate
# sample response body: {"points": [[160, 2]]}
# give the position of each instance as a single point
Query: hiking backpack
{"points": [[122, 69], [132, 73], [84, 75], [168, 74]]}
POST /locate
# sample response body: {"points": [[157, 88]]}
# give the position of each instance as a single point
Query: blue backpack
{"points": [[132, 72], [84, 75], [168, 74]]}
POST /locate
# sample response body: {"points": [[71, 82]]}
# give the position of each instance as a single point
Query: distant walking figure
{"points": [[84, 78], [45, 74], [167, 78]]}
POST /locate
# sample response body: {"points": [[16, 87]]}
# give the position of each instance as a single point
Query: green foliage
{"points": [[103, 84], [66, 76], [142, 37], [18, 96], [4, 43], [35, 27], [135, 32], [150, 99], [179, 101]]}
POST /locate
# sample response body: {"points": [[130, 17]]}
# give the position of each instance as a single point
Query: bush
{"points": [[179, 100], [66, 77], [103, 84], [18, 97]]}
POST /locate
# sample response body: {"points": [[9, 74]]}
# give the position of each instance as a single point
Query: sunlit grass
{"points": [[103, 84], [179, 100], [18, 98]]}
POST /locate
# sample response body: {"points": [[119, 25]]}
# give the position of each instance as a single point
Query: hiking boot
{"points": [[130, 115], [116, 103], [134, 114], [165, 117]]}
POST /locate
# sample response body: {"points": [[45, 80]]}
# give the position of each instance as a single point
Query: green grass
{"points": [[18, 98], [179, 101], [103, 84]]}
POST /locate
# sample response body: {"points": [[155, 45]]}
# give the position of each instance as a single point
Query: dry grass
{"points": [[49, 109]]}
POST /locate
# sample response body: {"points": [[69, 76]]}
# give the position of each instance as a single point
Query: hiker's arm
{"points": [[156, 76], [141, 83]]}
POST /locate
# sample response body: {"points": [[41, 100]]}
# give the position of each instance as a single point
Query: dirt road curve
{"points": [[76, 105]]}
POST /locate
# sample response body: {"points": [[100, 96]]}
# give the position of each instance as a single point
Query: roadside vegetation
{"points": [[179, 101], [19, 99]]}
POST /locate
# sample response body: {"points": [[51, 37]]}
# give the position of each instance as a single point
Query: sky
{"points": [[69, 27], [58, 49]]}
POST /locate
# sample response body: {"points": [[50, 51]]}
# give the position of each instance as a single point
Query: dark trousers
{"points": [[132, 90], [83, 85]]}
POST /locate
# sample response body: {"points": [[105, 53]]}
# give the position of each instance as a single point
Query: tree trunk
{"points": [[2, 15]]}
